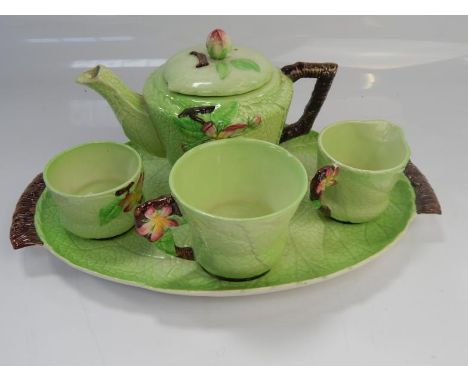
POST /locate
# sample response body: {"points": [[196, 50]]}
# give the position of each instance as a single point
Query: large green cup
{"points": [[238, 196], [96, 187], [359, 163]]}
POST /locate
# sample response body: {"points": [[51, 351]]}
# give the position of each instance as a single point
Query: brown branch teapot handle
{"points": [[324, 73]]}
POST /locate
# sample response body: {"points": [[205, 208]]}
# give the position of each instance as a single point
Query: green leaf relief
{"points": [[179, 219], [316, 204], [190, 128], [245, 64], [110, 211], [182, 234], [223, 69], [223, 115], [166, 242]]}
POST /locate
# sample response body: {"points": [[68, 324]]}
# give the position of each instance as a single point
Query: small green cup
{"points": [[96, 187], [359, 163], [238, 196]]}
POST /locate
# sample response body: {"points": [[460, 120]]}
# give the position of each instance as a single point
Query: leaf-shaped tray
{"points": [[318, 248]]}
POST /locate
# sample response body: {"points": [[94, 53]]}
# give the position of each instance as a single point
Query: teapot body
{"points": [[185, 121], [210, 92]]}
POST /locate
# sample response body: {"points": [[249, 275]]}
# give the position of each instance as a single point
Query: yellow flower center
{"points": [[160, 221]]}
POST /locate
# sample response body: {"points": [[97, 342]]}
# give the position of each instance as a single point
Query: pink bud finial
{"points": [[218, 44]]}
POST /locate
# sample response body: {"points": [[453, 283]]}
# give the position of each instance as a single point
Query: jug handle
{"points": [[324, 73]]}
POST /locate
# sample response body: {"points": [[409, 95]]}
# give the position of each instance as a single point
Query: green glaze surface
{"points": [[95, 187], [317, 248], [242, 71], [268, 105], [129, 107], [238, 196], [152, 121], [371, 156]]}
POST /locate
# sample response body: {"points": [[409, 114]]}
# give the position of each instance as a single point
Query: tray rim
{"points": [[237, 292]]}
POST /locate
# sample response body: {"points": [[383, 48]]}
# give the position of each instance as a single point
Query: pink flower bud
{"points": [[257, 120], [218, 44], [209, 129]]}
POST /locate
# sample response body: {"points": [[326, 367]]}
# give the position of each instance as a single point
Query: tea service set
{"points": [[217, 113]]}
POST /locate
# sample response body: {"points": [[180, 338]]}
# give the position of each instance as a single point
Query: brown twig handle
{"points": [[22, 231], [158, 206], [324, 73], [426, 199]]}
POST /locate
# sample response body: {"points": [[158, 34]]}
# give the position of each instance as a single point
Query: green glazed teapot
{"points": [[211, 91]]}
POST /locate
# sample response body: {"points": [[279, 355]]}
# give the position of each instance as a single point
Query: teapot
{"points": [[215, 90]]}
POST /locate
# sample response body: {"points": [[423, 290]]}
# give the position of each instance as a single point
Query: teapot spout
{"points": [[128, 106]]}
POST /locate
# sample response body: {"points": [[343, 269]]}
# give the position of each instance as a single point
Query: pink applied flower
{"points": [[230, 130], [327, 178], [157, 221]]}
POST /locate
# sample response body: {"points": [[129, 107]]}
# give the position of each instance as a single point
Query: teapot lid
{"points": [[217, 68]]}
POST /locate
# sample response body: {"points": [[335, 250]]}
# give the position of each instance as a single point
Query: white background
{"points": [[407, 307]]}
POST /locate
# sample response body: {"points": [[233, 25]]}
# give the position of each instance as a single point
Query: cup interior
{"points": [[238, 178], [365, 145], [92, 168]]}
